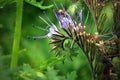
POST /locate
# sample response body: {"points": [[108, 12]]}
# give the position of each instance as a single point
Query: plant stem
{"points": [[90, 62], [17, 34]]}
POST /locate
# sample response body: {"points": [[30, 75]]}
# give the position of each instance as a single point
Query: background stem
{"points": [[17, 34]]}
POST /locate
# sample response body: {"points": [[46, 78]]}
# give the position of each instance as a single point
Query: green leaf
{"points": [[71, 76], [38, 4], [52, 74], [29, 74], [51, 62], [4, 3]]}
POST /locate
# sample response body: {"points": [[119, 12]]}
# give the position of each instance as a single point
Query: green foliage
{"points": [[52, 74], [27, 73], [71, 76], [35, 61], [4, 3], [38, 4]]}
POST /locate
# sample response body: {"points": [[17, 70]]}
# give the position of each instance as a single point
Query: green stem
{"points": [[17, 34]]}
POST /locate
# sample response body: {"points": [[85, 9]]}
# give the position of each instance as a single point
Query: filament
{"points": [[103, 36], [62, 6], [37, 37], [56, 5], [39, 27], [48, 18], [87, 17], [44, 20], [112, 47], [72, 43], [108, 39], [55, 15], [81, 14]]}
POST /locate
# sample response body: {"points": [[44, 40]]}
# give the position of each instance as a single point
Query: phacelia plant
{"points": [[100, 49]]}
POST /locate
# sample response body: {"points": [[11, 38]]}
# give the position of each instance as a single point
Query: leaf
{"points": [[52, 74], [29, 70], [4, 3], [71, 76], [29, 74], [38, 4], [51, 62]]}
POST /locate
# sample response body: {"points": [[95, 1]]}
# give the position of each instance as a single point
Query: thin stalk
{"points": [[91, 65], [90, 62], [17, 34], [91, 8]]}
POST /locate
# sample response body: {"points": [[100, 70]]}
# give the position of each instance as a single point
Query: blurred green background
{"points": [[36, 62]]}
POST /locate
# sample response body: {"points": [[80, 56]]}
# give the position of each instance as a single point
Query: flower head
{"points": [[65, 19]]}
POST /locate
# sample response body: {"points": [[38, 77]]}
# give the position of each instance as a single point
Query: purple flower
{"points": [[66, 23], [64, 19], [52, 31]]}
